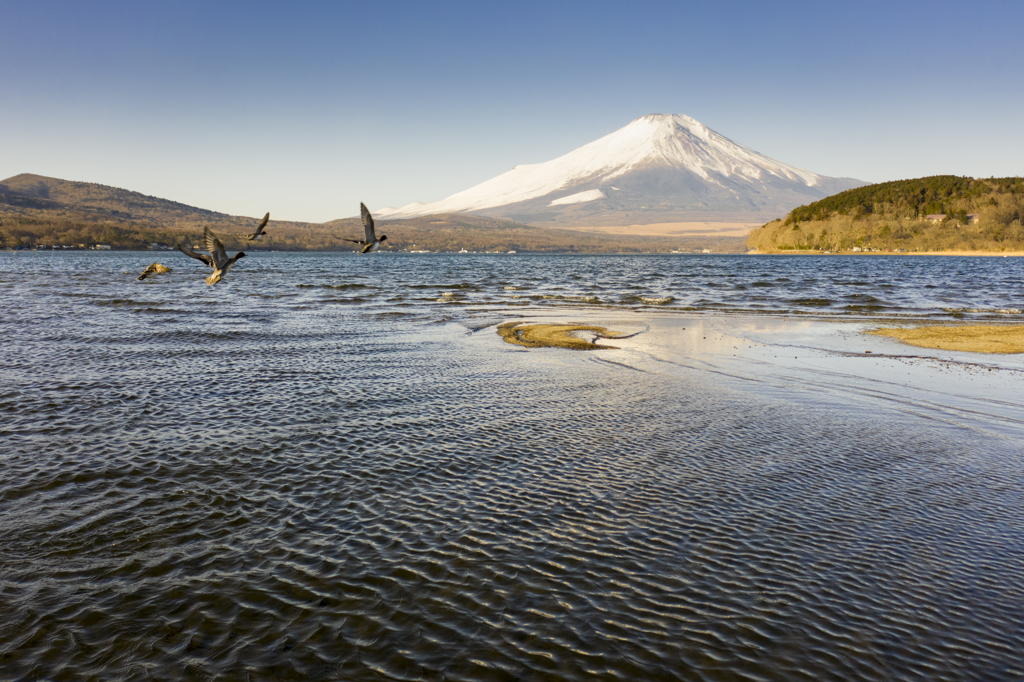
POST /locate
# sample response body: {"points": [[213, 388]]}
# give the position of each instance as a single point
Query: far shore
{"points": [[754, 252], [681, 229], [992, 254]]}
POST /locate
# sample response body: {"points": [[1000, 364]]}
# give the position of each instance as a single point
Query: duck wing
{"points": [[371, 234], [215, 247], [198, 256], [259, 230]]}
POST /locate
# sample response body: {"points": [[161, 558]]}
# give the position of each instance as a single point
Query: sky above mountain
{"points": [[307, 110]]}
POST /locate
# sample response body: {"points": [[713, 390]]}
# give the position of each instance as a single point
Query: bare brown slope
{"points": [[36, 210], [37, 191]]}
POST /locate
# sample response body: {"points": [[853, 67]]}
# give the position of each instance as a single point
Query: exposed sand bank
{"points": [[552, 335], [975, 338], [971, 338], [798, 360]]}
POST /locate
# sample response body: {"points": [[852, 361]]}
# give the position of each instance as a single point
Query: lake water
{"points": [[330, 466]]}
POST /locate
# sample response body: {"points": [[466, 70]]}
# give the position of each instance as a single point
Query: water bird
{"points": [[221, 262], [198, 256], [255, 236], [154, 269], [371, 243]]}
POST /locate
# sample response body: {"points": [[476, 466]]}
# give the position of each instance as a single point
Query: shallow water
{"points": [[327, 468]]}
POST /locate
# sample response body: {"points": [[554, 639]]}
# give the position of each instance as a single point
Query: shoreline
{"points": [[984, 342], [985, 254], [797, 360], [523, 252], [990, 339]]}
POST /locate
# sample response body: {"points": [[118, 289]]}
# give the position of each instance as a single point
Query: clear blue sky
{"points": [[306, 109]]}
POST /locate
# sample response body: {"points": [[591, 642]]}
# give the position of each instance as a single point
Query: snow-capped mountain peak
{"points": [[684, 158]]}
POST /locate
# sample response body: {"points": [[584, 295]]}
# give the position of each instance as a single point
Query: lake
{"points": [[330, 466]]}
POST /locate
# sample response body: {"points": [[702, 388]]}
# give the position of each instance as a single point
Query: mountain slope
{"points": [[659, 167], [38, 191], [37, 211]]}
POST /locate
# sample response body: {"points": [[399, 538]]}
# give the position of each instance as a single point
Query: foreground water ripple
{"points": [[266, 481]]}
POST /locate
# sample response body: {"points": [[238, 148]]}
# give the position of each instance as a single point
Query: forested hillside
{"points": [[938, 213]]}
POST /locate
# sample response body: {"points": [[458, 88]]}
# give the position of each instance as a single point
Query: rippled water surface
{"points": [[331, 467]]}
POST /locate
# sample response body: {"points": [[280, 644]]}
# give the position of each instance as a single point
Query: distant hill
{"points": [[40, 192], [937, 213], [37, 210], [659, 168]]}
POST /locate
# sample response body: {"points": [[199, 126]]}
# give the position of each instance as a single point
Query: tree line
{"points": [[977, 215]]}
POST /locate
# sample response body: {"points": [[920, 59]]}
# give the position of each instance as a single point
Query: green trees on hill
{"points": [[908, 198], [978, 215]]}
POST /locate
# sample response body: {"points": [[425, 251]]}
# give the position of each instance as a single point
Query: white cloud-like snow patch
{"points": [[579, 197]]}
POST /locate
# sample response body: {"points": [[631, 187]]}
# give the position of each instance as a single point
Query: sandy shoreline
{"points": [[971, 338], [987, 254], [793, 356], [552, 329]]}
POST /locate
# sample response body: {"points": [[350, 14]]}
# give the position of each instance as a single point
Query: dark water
{"points": [[330, 467]]}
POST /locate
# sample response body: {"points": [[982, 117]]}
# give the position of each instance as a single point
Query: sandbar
{"points": [[973, 338], [552, 335]]}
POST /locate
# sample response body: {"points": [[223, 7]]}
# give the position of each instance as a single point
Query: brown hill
{"points": [[37, 191], [41, 211]]}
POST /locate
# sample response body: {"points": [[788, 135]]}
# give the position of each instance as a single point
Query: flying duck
{"points": [[259, 230], [371, 243], [198, 256], [154, 269], [221, 262]]}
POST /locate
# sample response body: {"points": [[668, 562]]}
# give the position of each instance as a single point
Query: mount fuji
{"points": [[659, 168]]}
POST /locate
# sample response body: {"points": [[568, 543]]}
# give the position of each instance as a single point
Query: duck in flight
{"points": [[218, 258], [371, 242], [255, 236], [198, 256], [221, 262], [154, 269]]}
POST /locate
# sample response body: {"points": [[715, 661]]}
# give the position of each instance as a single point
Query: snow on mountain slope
{"points": [[671, 161], [579, 197]]}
